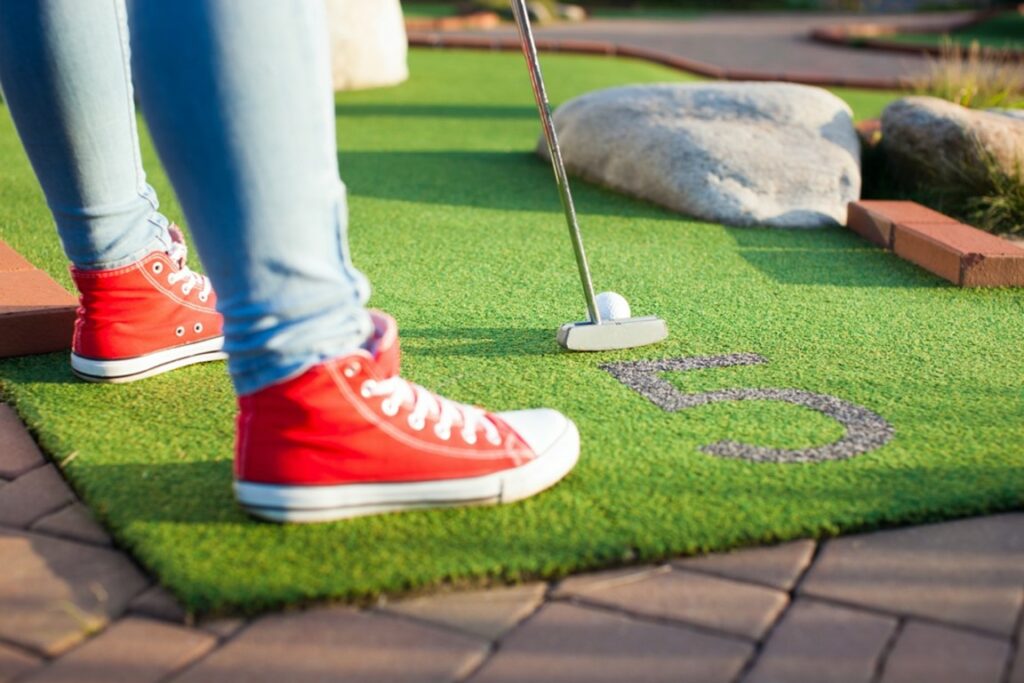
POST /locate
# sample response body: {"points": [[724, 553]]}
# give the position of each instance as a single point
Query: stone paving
{"points": [[943, 602], [767, 44]]}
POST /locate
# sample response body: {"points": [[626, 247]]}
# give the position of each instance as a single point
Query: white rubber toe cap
{"points": [[540, 428]]}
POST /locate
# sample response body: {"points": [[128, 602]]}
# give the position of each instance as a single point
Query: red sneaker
{"points": [[143, 319], [344, 440]]}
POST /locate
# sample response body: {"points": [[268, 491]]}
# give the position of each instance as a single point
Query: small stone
{"points": [[158, 603], [936, 654], [740, 608], [488, 614], [565, 643], [821, 643], [967, 572], [18, 452], [54, 593], [74, 522], [778, 566], [136, 650], [33, 495], [771, 154], [339, 644]]}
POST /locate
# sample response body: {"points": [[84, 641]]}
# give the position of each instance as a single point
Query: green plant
{"points": [[977, 189], [974, 77], [997, 200]]}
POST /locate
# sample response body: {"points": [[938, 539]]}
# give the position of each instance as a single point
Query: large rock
{"points": [[773, 154], [928, 140], [368, 43]]}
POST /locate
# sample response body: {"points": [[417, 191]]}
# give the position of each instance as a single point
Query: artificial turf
{"points": [[458, 225]]}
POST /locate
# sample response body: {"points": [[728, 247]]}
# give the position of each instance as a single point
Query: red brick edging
{"points": [[473, 20], [964, 255], [594, 47], [36, 314], [873, 36]]}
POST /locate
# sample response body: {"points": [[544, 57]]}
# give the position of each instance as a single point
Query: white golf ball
{"points": [[612, 306]]}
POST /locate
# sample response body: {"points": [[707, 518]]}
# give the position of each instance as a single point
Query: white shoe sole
{"points": [[325, 503], [140, 367]]}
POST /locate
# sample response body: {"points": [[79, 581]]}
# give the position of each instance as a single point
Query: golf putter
{"points": [[594, 334]]}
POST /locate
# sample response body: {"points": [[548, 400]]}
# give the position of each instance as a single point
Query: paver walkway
{"points": [[933, 603], [769, 44]]}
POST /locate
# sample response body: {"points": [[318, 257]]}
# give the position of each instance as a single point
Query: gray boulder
{"points": [[1012, 113], [774, 154], [929, 140]]}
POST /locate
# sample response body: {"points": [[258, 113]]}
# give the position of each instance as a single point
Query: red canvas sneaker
{"points": [[344, 439], [143, 319]]}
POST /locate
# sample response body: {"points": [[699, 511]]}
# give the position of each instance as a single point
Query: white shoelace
{"points": [[178, 253], [397, 392]]}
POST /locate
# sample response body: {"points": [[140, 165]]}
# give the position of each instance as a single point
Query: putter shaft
{"points": [[561, 179]]}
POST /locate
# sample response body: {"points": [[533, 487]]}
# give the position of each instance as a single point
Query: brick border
{"points": [[962, 254], [873, 36], [473, 20], [37, 315], [593, 47]]}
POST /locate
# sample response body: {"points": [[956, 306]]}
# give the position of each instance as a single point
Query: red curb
{"points": [[667, 59], [964, 255], [961, 254], [36, 314], [874, 219], [455, 23], [873, 36]]}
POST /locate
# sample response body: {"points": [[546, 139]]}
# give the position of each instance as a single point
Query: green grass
{"points": [[430, 10], [458, 225], [1005, 31]]}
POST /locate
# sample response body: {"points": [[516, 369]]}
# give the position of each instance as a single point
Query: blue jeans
{"points": [[237, 96]]}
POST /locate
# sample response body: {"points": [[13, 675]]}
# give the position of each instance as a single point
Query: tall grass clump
{"points": [[975, 77]]}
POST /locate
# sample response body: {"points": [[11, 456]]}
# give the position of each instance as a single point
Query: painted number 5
{"points": [[865, 430]]}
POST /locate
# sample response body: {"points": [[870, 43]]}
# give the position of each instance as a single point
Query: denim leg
{"points": [[237, 94], [64, 68]]}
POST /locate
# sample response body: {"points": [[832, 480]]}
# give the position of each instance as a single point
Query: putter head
{"points": [[612, 334]]}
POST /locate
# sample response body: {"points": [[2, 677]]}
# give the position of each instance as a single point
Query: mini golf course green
{"points": [[458, 225]]}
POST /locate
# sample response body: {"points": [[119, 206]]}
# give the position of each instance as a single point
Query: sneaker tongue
{"points": [[382, 344], [178, 252]]}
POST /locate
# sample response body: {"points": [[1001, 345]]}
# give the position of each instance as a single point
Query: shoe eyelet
{"points": [[204, 297], [470, 439], [158, 267], [388, 408], [185, 291], [443, 434], [180, 332], [198, 327], [416, 424], [366, 390], [352, 369]]}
